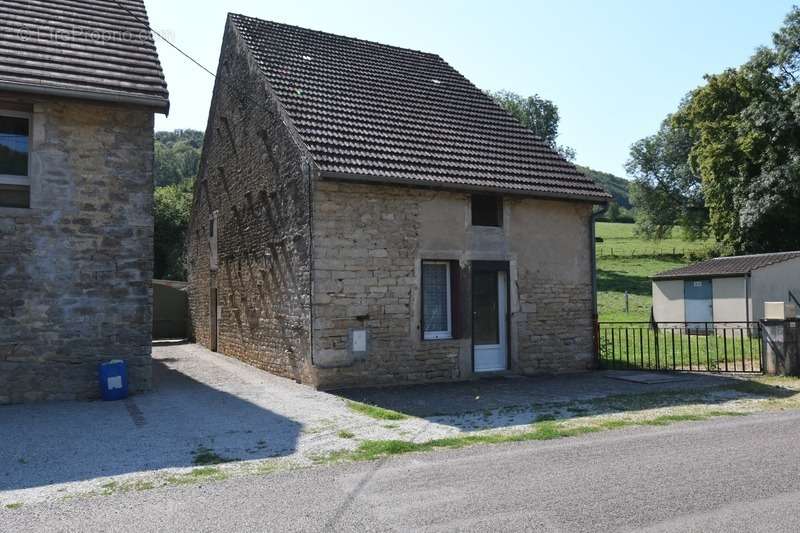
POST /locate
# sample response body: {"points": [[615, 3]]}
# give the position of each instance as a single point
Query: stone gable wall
{"points": [[76, 268], [254, 176]]}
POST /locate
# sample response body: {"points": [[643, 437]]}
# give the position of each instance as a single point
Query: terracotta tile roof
{"points": [[93, 49], [727, 266], [381, 112]]}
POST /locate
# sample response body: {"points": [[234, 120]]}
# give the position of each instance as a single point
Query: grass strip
{"points": [[369, 450], [373, 411]]}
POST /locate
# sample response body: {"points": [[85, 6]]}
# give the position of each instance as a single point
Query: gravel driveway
{"points": [[206, 407]]}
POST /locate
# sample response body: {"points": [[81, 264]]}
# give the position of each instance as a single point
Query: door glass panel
{"points": [[485, 306]]}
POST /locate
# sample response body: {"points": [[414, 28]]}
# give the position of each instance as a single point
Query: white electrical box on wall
{"points": [[360, 340], [779, 311], [358, 343]]}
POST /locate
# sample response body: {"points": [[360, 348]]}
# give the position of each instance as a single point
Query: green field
{"points": [[619, 240], [631, 266]]}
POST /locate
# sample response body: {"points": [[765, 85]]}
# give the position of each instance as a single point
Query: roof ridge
{"points": [[335, 35], [753, 255]]}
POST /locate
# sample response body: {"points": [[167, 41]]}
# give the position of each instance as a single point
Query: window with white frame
{"points": [[437, 316], [15, 133]]}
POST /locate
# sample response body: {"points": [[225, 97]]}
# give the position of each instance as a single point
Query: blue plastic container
{"points": [[114, 380]]}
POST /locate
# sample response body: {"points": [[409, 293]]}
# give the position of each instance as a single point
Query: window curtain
{"points": [[434, 293]]}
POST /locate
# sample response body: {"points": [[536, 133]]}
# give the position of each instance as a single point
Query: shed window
{"points": [[14, 159], [487, 210], [437, 314]]}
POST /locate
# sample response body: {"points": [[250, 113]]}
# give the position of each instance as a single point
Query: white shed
{"points": [[726, 289]]}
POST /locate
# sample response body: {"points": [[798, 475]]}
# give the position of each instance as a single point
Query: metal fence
{"points": [[684, 346]]}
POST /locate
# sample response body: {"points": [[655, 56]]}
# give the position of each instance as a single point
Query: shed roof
{"points": [[727, 266], [376, 112], [91, 49]]}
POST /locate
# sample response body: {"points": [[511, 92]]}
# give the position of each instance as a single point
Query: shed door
{"points": [[698, 298]]}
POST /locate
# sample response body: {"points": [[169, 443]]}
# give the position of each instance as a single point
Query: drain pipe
{"points": [[593, 252]]}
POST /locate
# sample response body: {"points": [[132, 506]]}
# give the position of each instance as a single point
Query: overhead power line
{"points": [[176, 47]]}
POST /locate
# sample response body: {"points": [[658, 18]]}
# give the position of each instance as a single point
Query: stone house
{"points": [[364, 215], [79, 86]]}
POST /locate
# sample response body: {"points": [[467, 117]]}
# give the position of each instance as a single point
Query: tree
{"points": [[536, 114], [177, 156], [666, 191], [613, 212], [746, 127], [177, 161], [172, 208], [730, 155]]}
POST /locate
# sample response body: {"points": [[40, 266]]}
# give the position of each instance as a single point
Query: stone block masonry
{"points": [[254, 178], [369, 242], [76, 268]]}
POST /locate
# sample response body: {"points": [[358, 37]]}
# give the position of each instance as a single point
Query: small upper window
{"points": [[487, 210], [14, 159]]}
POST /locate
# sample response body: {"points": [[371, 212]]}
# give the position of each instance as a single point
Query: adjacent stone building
{"points": [[364, 215], [79, 86]]}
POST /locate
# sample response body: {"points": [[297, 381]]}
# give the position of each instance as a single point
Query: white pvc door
{"points": [[489, 328]]}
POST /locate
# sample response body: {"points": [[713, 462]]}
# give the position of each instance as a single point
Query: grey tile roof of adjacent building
{"points": [[727, 266], [90, 49], [376, 112]]}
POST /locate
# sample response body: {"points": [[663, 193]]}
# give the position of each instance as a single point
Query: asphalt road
{"points": [[730, 474]]}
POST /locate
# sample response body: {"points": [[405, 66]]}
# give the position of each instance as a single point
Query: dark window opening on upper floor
{"points": [[487, 210]]}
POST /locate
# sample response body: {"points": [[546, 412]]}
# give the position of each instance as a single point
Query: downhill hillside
{"points": [[618, 187]]}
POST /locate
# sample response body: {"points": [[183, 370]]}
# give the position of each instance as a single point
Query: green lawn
{"points": [[634, 261], [619, 240], [615, 275]]}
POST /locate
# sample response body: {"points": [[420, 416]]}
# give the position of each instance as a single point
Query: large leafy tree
{"points": [[747, 124], [744, 128], [666, 191], [537, 114]]}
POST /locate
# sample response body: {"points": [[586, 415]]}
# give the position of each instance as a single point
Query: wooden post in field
{"points": [[626, 302]]}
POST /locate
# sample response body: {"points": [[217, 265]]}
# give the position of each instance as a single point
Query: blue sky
{"points": [[615, 68]]}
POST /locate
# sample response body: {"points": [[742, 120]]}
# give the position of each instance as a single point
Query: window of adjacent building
{"points": [[14, 159], [437, 298], [487, 210], [213, 234]]}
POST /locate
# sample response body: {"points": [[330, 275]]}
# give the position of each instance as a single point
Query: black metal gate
{"points": [[684, 346]]}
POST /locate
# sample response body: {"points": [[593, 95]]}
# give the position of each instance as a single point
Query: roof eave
{"points": [[159, 105], [410, 182], [677, 277]]}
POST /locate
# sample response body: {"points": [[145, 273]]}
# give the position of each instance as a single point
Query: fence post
{"points": [[596, 330], [658, 348], [781, 347]]}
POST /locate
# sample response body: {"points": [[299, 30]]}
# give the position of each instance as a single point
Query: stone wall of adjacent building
{"points": [[255, 176], [369, 242], [76, 268]]}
